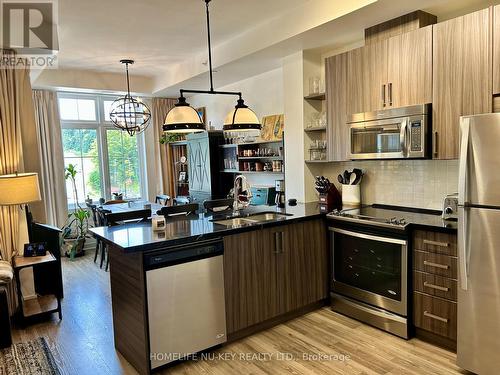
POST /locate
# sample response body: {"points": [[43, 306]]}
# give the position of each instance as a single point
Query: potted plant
{"points": [[75, 230], [169, 138]]}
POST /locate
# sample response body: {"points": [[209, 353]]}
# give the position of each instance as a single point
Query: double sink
{"points": [[253, 219]]}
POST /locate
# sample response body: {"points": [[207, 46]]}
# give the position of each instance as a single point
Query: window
{"points": [[107, 160]]}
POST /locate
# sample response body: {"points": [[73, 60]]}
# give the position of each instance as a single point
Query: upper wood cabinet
{"points": [[496, 49], [462, 83], [409, 68], [366, 78], [391, 73], [336, 93]]}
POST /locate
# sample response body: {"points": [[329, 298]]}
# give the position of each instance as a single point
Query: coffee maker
{"points": [[280, 193]]}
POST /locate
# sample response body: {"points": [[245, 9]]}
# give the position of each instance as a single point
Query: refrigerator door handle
{"points": [[463, 247], [464, 152]]}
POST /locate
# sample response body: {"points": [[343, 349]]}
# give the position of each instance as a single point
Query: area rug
{"points": [[28, 358]]}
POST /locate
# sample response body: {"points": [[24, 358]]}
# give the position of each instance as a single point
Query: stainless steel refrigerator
{"points": [[478, 346]]}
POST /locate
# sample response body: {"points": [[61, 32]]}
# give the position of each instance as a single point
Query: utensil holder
{"points": [[351, 195]]}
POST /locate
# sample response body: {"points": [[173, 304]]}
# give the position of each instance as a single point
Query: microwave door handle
{"points": [[402, 137]]}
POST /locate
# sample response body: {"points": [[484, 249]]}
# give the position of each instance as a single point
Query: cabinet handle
{"points": [[435, 317], [383, 95], [278, 237], [437, 287], [390, 94], [436, 265], [435, 144], [436, 243]]}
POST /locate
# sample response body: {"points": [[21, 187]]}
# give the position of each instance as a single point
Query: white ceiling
{"points": [[167, 38], [96, 34]]}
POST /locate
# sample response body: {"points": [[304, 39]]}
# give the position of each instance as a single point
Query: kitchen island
{"points": [[273, 270]]}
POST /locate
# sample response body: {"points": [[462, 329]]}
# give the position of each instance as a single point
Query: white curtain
{"points": [[16, 153], [165, 183], [48, 129]]}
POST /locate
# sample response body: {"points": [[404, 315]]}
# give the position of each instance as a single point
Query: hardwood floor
{"points": [[83, 341]]}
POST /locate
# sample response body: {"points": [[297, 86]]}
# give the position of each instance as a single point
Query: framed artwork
{"points": [[182, 176], [202, 112], [272, 127]]}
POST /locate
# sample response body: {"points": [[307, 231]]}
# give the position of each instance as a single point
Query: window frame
{"points": [[101, 126]]}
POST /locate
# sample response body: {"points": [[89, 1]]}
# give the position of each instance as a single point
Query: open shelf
{"points": [[261, 172], [251, 143], [260, 157], [230, 171], [40, 305], [21, 261], [316, 161], [318, 129], [320, 96]]}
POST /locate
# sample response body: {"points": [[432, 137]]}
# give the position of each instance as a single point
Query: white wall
{"points": [[262, 93], [408, 183], [293, 86]]}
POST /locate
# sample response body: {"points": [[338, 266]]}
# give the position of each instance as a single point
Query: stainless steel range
{"points": [[369, 249]]}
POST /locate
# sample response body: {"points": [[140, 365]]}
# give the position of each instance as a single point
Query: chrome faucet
{"points": [[241, 190]]}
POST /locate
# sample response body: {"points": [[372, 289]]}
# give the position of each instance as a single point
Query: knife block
{"points": [[330, 200]]}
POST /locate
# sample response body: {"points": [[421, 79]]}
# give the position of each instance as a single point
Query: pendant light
{"points": [[185, 119], [127, 113]]}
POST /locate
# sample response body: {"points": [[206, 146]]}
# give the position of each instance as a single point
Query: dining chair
{"points": [[162, 199], [178, 210], [180, 200], [216, 205], [120, 218], [95, 221]]}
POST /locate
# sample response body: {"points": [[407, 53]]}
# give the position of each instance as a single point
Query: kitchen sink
{"points": [[266, 216], [253, 219], [236, 222]]}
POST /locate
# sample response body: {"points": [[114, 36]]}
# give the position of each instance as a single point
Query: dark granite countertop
{"points": [[141, 237]]}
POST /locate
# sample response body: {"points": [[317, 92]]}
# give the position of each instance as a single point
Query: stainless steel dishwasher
{"points": [[186, 309]]}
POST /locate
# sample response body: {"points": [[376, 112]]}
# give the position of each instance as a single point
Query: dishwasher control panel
{"points": [[181, 254]]}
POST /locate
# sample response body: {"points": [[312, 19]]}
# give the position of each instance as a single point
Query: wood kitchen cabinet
{"points": [[249, 280], [435, 285], [336, 92], [462, 82], [394, 72], [496, 50], [366, 78], [409, 68], [302, 265], [274, 271]]}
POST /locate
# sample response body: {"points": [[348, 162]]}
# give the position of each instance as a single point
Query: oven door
{"points": [[370, 269], [383, 139]]}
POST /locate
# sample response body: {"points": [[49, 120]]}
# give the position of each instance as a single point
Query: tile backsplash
{"points": [[411, 183]]}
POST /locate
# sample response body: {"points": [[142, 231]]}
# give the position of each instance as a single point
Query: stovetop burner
{"points": [[375, 216]]}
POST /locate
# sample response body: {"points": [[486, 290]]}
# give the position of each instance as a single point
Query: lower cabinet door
{"points": [[302, 265], [436, 315], [249, 280]]}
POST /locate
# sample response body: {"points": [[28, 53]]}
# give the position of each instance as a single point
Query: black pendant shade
{"points": [[182, 119]]}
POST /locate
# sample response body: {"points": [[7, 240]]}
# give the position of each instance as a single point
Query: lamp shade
{"points": [[183, 119], [241, 118], [19, 188]]}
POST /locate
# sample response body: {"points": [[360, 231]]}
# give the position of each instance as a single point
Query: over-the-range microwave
{"points": [[396, 133]]}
